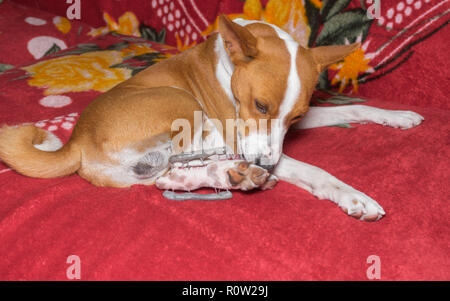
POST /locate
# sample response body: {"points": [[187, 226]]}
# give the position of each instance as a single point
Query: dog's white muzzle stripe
{"points": [[270, 153], [255, 145]]}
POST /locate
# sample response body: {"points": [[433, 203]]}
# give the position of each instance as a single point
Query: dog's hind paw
{"points": [[270, 183], [246, 176], [399, 119]]}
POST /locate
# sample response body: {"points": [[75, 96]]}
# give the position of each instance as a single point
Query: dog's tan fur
{"points": [[138, 111]]}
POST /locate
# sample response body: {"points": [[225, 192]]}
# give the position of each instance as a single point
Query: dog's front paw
{"points": [[246, 176], [359, 205], [399, 119]]}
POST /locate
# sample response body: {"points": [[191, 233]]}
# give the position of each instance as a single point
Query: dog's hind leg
{"points": [[227, 174], [329, 116], [325, 186]]}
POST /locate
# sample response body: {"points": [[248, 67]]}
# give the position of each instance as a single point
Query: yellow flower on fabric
{"points": [[137, 49], [290, 15], [317, 3], [164, 56], [77, 73], [348, 70], [253, 9], [62, 24], [128, 24], [278, 12], [183, 45], [140, 49], [95, 32]]}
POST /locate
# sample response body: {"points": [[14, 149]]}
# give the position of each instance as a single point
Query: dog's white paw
{"points": [[399, 119], [351, 201], [359, 205]]}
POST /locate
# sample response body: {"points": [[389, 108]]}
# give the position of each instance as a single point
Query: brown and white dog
{"points": [[250, 70]]}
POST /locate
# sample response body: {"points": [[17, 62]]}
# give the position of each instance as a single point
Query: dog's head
{"points": [[272, 82]]}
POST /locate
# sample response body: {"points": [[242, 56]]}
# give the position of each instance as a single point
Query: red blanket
{"points": [[282, 234]]}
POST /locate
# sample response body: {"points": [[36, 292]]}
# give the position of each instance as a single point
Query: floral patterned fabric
{"points": [[28, 34], [52, 68], [74, 76], [388, 41]]}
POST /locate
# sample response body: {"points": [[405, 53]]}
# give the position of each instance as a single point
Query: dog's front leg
{"points": [[324, 186], [328, 116]]}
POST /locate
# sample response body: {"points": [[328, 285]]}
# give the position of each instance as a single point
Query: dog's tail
{"points": [[19, 150]]}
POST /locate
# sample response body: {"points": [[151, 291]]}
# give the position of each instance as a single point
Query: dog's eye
{"points": [[260, 107]]}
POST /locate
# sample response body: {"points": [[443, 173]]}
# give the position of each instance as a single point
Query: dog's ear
{"points": [[239, 43], [324, 56]]}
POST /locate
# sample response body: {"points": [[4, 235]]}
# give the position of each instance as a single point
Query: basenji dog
{"points": [[249, 70]]}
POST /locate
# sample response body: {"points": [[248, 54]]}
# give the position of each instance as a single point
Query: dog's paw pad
{"points": [[247, 176], [235, 177], [258, 175]]}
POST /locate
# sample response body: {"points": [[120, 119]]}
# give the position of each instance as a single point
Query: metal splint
{"points": [[188, 196], [201, 155], [185, 158]]}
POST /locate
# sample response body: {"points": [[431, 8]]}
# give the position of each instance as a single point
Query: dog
{"points": [[249, 70]]}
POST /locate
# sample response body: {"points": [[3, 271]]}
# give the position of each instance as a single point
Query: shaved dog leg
{"points": [[228, 174], [328, 116], [324, 186]]}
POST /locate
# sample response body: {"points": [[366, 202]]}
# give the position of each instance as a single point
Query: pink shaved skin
{"points": [[227, 174]]}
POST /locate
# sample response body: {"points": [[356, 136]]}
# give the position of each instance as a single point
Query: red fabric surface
{"points": [[424, 80], [282, 234]]}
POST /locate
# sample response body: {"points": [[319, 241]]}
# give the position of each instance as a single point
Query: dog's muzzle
{"points": [[268, 167]]}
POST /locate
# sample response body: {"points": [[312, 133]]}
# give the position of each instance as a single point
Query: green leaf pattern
{"points": [[333, 7], [339, 26], [54, 49], [346, 26], [5, 67]]}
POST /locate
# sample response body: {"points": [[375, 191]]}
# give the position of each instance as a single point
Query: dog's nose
{"points": [[268, 167]]}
